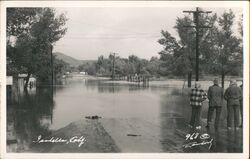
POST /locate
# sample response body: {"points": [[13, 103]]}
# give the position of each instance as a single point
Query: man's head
{"points": [[216, 81], [197, 85], [233, 82]]}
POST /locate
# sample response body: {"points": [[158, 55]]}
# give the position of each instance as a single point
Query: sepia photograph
{"points": [[144, 78]]}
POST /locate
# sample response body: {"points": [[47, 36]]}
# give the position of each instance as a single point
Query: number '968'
{"points": [[194, 136]]}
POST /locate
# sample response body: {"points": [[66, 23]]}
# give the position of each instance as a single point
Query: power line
{"points": [[111, 28], [112, 37], [113, 68], [81, 33]]}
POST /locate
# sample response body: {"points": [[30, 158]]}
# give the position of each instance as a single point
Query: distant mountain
{"points": [[70, 60]]}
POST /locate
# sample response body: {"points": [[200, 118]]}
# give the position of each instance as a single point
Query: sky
{"points": [[100, 31]]}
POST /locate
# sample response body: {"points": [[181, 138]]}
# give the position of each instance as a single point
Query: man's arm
{"points": [[209, 93], [240, 93], [204, 95], [226, 94]]}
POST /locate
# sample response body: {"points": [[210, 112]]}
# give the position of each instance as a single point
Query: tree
{"points": [[134, 65], [224, 55], [121, 66], [90, 68], [60, 67], [35, 34], [20, 20], [231, 55], [179, 56], [240, 25], [153, 67], [176, 56], [188, 41], [124, 66], [103, 66]]}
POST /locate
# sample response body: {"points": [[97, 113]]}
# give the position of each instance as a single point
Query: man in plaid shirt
{"points": [[196, 98]]}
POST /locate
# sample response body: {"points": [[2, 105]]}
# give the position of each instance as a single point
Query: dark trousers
{"points": [[233, 114], [210, 115], [241, 111], [195, 116]]}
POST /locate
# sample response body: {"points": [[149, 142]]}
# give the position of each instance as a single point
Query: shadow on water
{"points": [[29, 117]]}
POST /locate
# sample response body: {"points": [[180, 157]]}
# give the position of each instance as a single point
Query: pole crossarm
{"points": [[199, 11], [193, 26], [205, 26], [189, 26]]}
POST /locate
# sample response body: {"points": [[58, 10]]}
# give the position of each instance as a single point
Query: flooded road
{"points": [[133, 118]]}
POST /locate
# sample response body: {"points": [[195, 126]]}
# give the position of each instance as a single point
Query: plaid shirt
{"points": [[197, 97]]}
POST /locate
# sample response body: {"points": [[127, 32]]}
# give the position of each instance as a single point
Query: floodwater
{"points": [[158, 114]]}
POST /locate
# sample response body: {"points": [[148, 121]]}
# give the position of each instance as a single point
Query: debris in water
{"points": [[133, 135], [93, 117]]}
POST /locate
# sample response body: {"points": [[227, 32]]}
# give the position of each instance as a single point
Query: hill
{"points": [[70, 60]]}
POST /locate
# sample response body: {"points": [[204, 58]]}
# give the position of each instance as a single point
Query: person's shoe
{"points": [[207, 126], [237, 128], [198, 127], [229, 128]]}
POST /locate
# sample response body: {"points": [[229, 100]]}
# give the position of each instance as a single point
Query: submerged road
{"points": [[134, 119], [140, 136]]}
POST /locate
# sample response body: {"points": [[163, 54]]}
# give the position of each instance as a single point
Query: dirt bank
{"points": [[91, 132]]}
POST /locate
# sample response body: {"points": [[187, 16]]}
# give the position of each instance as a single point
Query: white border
{"points": [[179, 4]]}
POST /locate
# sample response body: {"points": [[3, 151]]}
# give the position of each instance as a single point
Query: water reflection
{"points": [[175, 115], [29, 117], [107, 86], [42, 110], [32, 113]]}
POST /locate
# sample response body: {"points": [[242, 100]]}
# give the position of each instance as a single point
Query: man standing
{"points": [[196, 98], [215, 96], [241, 105], [233, 95]]}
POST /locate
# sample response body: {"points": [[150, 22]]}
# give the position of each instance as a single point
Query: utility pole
{"points": [[197, 27], [52, 67], [113, 66], [52, 82]]}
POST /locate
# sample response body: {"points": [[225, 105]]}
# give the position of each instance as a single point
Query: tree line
{"points": [[32, 32], [221, 52], [122, 66]]}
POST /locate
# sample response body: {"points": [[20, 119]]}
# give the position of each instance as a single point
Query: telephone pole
{"points": [[113, 66], [52, 66], [197, 27]]}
